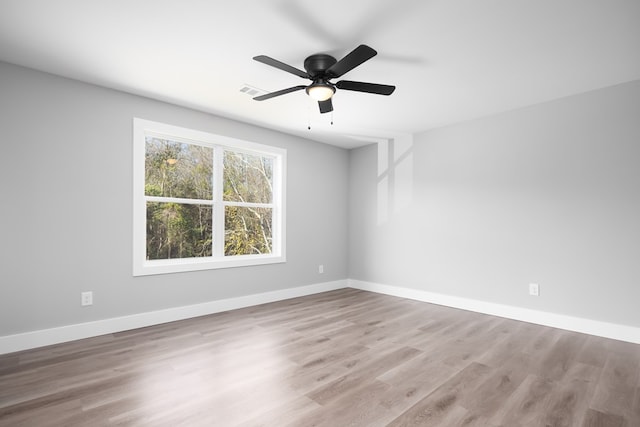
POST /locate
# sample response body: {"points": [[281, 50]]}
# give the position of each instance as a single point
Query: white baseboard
{"points": [[561, 321], [40, 338]]}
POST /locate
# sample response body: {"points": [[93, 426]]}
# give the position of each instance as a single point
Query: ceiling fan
{"points": [[320, 69]]}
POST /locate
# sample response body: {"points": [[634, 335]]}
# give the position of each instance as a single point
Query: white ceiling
{"points": [[451, 60]]}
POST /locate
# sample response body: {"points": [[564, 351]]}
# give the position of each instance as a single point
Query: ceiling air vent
{"points": [[252, 91]]}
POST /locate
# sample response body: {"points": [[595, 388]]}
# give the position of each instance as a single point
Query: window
{"points": [[204, 201]]}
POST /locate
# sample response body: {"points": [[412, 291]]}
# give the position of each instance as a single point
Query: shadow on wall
{"points": [[395, 176]]}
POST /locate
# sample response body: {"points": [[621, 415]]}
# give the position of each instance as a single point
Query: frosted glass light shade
{"points": [[320, 91]]}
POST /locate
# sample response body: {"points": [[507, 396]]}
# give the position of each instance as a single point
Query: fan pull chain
{"points": [[331, 117], [308, 116]]}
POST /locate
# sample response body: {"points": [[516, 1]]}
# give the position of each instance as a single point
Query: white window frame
{"points": [[141, 266]]}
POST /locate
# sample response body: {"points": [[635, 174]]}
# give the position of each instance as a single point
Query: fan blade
{"points": [[281, 66], [325, 106], [366, 87], [357, 56], [279, 92]]}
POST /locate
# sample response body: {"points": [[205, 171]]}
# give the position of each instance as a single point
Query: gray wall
{"points": [[66, 213], [547, 194]]}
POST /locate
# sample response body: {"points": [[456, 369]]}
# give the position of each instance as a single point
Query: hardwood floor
{"points": [[342, 358]]}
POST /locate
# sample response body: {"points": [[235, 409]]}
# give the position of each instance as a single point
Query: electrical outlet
{"points": [[86, 298], [321, 269], [534, 289]]}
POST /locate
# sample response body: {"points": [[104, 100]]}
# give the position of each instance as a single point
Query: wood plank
{"points": [[634, 417], [356, 379], [358, 405], [489, 396], [568, 403], [616, 389], [599, 419], [444, 402], [560, 358], [526, 403]]}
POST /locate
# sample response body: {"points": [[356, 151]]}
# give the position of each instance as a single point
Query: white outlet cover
{"points": [[534, 289], [86, 298]]}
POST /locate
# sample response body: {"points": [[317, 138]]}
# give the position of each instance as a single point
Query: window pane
{"points": [[176, 169], [247, 177], [176, 230], [247, 230]]}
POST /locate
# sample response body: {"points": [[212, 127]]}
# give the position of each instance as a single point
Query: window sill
{"points": [[197, 264]]}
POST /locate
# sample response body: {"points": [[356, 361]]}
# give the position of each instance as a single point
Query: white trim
{"points": [[218, 208], [179, 200], [29, 340], [34, 339], [561, 321]]}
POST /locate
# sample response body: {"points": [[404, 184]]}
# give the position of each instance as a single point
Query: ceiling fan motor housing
{"points": [[316, 65]]}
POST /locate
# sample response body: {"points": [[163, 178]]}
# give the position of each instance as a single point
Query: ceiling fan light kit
{"points": [[320, 91], [320, 69]]}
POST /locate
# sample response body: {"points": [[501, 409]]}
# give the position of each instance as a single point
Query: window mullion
{"points": [[218, 206], [249, 204], [178, 200], [276, 201]]}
